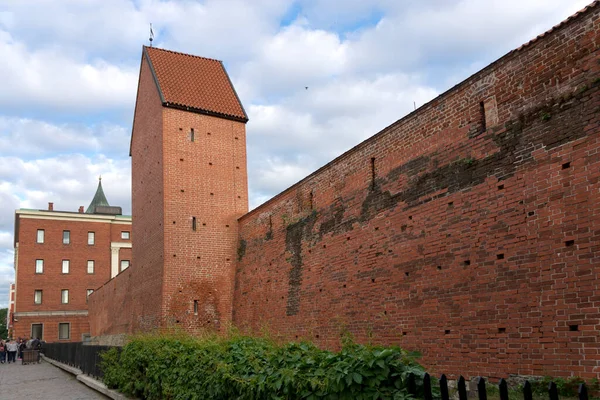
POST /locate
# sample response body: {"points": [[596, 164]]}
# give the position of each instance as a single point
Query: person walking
{"points": [[12, 348], [2, 351]]}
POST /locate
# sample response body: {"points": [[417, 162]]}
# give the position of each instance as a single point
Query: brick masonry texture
{"points": [[51, 281], [468, 230], [183, 271]]}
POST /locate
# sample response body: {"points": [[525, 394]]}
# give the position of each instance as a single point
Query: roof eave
{"points": [[206, 112]]}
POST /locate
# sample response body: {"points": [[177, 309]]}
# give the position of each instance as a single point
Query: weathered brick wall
{"points": [[205, 179], [132, 300], [175, 180], [468, 230]]}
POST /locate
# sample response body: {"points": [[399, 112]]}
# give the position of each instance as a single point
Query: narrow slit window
{"points": [[39, 266], [195, 307], [192, 135], [90, 266], [372, 173], [193, 223], [91, 238], [40, 236], [482, 116], [64, 296], [66, 237]]}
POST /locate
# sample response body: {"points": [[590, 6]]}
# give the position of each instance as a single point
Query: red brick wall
{"points": [[52, 280], [206, 179], [479, 248], [120, 307]]}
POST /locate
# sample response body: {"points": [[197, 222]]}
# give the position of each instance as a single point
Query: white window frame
{"points": [[87, 294], [64, 296], [66, 266], [66, 237], [35, 295], [91, 264], [40, 236], [127, 264], [125, 235], [39, 266], [68, 330], [91, 238]]}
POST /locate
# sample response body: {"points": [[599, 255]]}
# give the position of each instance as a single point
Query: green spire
{"points": [[98, 200]]}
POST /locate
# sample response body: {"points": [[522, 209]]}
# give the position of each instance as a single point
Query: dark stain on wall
{"points": [[295, 233]]}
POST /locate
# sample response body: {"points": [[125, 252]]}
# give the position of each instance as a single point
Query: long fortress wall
{"points": [[468, 230]]}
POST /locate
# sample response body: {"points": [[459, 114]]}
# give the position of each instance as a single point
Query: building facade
{"points": [[60, 259]]}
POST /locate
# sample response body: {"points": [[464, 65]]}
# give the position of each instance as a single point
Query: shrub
{"points": [[158, 367]]}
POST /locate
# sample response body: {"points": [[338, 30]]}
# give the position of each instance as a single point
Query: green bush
{"points": [[159, 367]]}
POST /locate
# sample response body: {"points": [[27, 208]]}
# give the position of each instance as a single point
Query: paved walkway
{"points": [[41, 382]]}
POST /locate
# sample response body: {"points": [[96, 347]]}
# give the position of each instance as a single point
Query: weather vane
{"points": [[151, 35]]}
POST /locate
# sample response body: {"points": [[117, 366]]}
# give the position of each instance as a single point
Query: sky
{"points": [[69, 73]]}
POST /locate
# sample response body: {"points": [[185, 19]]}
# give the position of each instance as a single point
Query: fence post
{"points": [[462, 388], [411, 384], [503, 386], [444, 387], [553, 391], [481, 392], [583, 392], [427, 395], [527, 394]]}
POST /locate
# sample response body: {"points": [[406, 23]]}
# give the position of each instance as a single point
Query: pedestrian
{"points": [[12, 346], [2, 352], [22, 345]]}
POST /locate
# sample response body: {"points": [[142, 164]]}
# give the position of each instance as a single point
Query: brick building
{"points": [[467, 230], [60, 258]]}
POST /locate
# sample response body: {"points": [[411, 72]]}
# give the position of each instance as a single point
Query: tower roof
{"points": [[98, 200], [194, 84]]}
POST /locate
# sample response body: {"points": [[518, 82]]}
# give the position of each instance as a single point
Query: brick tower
{"points": [[189, 184]]}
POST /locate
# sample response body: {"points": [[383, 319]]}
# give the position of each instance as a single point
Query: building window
{"points": [[37, 331], [66, 237], [64, 331], [65, 266], [91, 238], [90, 268], [39, 266], [64, 296], [124, 235], [40, 236], [37, 297], [124, 265], [87, 295]]}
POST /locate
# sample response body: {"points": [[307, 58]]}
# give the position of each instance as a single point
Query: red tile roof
{"points": [[194, 83]]}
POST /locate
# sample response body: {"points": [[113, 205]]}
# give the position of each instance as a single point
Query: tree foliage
{"points": [[3, 327]]}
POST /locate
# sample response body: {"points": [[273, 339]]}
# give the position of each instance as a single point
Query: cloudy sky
{"points": [[69, 70]]}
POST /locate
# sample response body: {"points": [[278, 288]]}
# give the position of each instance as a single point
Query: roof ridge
{"points": [[183, 54], [584, 10]]}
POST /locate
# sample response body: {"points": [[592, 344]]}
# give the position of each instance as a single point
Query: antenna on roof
{"points": [[151, 35]]}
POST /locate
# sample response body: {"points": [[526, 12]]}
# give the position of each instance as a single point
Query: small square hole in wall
{"points": [[410, 217], [501, 330], [531, 213], [500, 187], [447, 332], [569, 243], [209, 163], [573, 328], [467, 262], [566, 165], [236, 138], [500, 256], [439, 267], [404, 333], [451, 204], [407, 273], [373, 280]]}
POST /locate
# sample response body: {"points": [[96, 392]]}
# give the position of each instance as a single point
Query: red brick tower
{"points": [[189, 185]]}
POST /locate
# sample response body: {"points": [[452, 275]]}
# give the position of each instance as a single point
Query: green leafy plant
{"points": [[241, 367]]}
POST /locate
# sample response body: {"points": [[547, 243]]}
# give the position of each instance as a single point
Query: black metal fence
{"points": [[482, 391], [86, 358]]}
